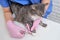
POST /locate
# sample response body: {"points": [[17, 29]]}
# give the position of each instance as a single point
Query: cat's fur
{"points": [[24, 13]]}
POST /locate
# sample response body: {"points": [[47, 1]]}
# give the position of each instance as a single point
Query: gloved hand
{"points": [[14, 30], [35, 24]]}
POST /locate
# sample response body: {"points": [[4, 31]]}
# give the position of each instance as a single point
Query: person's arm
{"points": [[46, 1], [7, 13], [6, 10], [14, 30]]}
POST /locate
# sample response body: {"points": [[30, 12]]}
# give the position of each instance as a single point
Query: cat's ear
{"points": [[33, 7]]}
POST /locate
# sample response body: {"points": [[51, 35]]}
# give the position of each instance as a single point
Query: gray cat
{"points": [[23, 14]]}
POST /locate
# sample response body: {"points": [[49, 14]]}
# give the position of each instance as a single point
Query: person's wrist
{"points": [[9, 22], [8, 16]]}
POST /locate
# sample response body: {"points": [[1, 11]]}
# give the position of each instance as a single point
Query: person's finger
{"points": [[20, 35], [29, 30], [28, 27], [35, 24], [22, 32]]}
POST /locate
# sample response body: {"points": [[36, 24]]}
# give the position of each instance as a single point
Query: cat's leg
{"points": [[43, 24]]}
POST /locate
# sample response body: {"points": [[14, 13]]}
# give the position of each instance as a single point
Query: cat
{"points": [[24, 14]]}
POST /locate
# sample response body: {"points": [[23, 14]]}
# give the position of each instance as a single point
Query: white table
{"points": [[52, 32]]}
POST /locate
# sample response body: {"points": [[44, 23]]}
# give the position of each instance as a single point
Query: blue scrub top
{"points": [[4, 3]]}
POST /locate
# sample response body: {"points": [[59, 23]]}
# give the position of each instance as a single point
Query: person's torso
{"points": [[24, 2]]}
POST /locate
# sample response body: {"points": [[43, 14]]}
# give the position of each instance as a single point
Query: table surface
{"points": [[51, 32]]}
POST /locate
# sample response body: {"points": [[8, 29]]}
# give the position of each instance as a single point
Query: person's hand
{"points": [[14, 30], [28, 29], [35, 24]]}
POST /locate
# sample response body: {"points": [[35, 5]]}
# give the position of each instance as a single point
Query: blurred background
{"points": [[55, 15]]}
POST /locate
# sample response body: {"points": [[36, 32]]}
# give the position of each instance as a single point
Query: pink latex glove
{"points": [[28, 29], [35, 24], [15, 31]]}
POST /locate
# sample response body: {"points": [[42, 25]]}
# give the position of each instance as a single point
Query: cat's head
{"points": [[39, 8]]}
